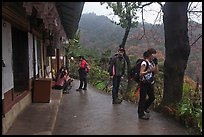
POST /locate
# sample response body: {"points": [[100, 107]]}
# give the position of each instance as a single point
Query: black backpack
{"points": [[135, 71]]}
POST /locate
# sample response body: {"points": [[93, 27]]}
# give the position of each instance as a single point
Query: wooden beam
{"points": [[15, 19]]}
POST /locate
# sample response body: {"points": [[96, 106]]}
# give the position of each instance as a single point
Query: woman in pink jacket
{"points": [[64, 81]]}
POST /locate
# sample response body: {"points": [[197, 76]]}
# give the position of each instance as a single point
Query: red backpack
{"points": [[87, 68]]}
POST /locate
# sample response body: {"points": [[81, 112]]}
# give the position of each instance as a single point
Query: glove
{"points": [[155, 60]]}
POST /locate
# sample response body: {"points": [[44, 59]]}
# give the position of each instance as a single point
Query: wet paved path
{"points": [[91, 112]]}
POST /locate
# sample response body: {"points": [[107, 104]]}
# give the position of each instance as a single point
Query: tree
{"points": [[71, 46], [126, 11], [105, 58], [177, 50]]}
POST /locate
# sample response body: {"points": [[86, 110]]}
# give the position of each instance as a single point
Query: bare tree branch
{"points": [[142, 6], [144, 34], [198, 11], [144, 27], [190, 4], [192, 9], [160, 4], [196, 40], [143, 21], [156, 19]]}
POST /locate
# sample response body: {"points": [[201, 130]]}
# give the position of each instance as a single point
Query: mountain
{"points": [[99, 33]]}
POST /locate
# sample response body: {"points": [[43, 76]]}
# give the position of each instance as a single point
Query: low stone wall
{"points": [[12, 114]]}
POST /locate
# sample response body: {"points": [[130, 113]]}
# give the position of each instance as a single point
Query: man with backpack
{"points": [[116, 71], [149, 67]]}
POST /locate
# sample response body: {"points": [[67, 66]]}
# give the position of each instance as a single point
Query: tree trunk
{"points": [[127, 30], [177, 50]]}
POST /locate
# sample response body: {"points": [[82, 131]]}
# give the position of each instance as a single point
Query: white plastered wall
{"points": [[7, 71]]}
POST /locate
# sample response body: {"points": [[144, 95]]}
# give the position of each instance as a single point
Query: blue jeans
{"points": [[116, 84]]}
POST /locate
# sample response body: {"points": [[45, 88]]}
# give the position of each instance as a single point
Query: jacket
{"points": [[117, 66]]}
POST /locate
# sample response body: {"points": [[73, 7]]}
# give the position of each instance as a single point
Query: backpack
{"points": [[135, 71], [87, 68]]}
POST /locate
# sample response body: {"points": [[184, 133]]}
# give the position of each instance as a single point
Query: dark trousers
{"points": [[116, 84], [65, 86], [83, 82], [145, 89]]}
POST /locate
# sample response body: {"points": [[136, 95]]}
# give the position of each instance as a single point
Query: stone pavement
{"points": [[37, 118], [90, 112]]}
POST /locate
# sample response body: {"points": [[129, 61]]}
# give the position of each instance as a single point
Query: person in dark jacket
{"points": [[82, 74], [116, 71]]}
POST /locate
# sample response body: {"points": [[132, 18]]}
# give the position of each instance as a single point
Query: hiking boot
{"points": [[144, 117], [117, 101], [147, 111], [79, 89]]}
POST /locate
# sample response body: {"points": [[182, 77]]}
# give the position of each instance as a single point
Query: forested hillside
{"points": [[99, 34]]}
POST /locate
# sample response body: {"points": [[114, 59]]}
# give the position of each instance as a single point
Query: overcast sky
{"points": [[150, 12]]}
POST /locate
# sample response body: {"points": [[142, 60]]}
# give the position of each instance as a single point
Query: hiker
{"points": [[63, 80], [149, 68], [116, 71], [82, 74]]}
